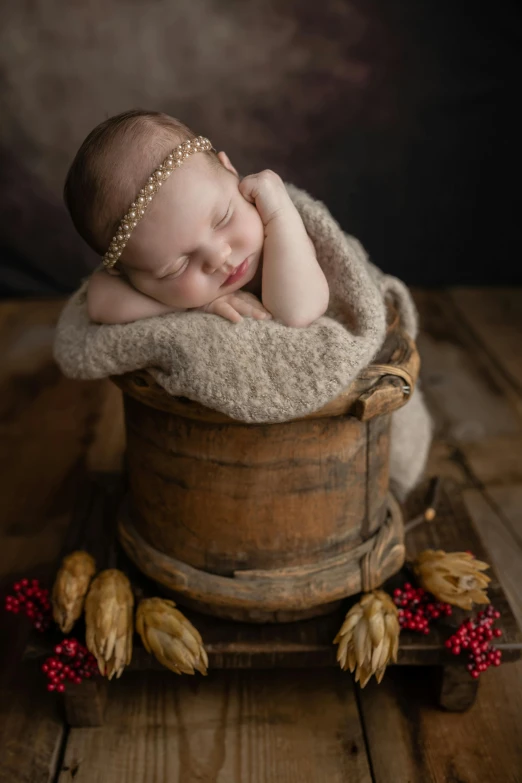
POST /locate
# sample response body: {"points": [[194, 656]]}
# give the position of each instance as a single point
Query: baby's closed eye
{"points": [[226, 217], [177, 270]]}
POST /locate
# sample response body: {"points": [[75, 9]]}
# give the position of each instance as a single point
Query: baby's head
{"points": [[195, 232]]}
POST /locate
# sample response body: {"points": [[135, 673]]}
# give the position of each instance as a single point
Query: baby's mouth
{"points": [[237, 273]]}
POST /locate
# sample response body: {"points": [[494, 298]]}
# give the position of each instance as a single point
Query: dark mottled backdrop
{"points": [[402, 116]]}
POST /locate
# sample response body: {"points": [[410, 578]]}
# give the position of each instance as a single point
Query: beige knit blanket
{"points": [[258, 371]]}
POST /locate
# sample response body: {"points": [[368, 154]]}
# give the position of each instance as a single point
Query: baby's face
{"points": [[199, 239]]}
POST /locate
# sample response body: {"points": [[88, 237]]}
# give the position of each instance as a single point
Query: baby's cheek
{"points": [[253, 232]]}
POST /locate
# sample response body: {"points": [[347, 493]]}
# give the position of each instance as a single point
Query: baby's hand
{"points": [[267, 191], [234, 306]]}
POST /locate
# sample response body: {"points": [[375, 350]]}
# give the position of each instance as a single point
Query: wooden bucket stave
{"points": [[285, 507]]}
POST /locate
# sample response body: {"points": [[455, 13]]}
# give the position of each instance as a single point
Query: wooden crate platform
{"points": [[298, 645]]}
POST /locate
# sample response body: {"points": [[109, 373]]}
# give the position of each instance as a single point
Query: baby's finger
{"points": [[226, 310], [258, 311], [254, 309], [248, 187]]}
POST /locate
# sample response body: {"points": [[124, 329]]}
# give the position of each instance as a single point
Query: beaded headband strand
{"points": [[138, 207]]}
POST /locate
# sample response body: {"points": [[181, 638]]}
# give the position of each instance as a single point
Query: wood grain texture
{"points": [[47, 424], [498, 518], [309, 643], [469, 368], [407, 739], [273, 594], [411, 741], [495, 315], [469, 398], [212, 501], [85, 703], [223, 498], [235, 727], [457, 691]]}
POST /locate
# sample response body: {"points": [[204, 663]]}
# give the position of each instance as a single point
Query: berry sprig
{"points": [[33, 600], [71, 662], [476, 635], [417, 608]]}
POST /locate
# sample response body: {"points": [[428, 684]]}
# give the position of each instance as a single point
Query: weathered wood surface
{"points": [[228, 728], [308, 643], [478, 424], [276, 594], [85, 703], [51, 429], [406, 739], [252, 496], [212, 501]]}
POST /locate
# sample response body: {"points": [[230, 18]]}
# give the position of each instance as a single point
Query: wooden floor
{"points": [[253, 727]]}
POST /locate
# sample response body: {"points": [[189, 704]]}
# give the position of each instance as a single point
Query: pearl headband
{"points": [[137, 209]]}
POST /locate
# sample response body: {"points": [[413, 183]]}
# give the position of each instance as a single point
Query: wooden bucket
{"points": [[266, 522]]}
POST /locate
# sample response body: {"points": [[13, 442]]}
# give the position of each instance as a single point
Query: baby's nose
{"points": [[217, 258]]}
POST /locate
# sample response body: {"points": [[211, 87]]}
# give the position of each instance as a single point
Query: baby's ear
{"points": [[225, 161]]}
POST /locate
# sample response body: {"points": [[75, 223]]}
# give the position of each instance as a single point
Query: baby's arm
{"points": [[295, 289], [111, 300]]}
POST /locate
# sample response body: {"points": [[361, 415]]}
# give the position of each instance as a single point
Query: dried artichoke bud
{"points": [[369, 637], [70, 588], [170, 637], [108, 621], [453, 577]]}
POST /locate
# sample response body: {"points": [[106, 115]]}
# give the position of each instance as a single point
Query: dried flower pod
{"points": [[108, 621], [167, 634], [369, 637], [70, 588], [453, 577]]}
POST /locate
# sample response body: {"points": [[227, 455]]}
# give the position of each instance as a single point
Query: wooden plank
{"points": [[477, 413], [411, 741], [446, 460], [31, 727], [495, 315], [85, 703], [309, 643], [468, 396], [231, 726], [47, 425], [496, 460], [498, 519], [508, 500]]}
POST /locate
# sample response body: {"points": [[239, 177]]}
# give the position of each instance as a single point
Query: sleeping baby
{"points": [[179, 230]]}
